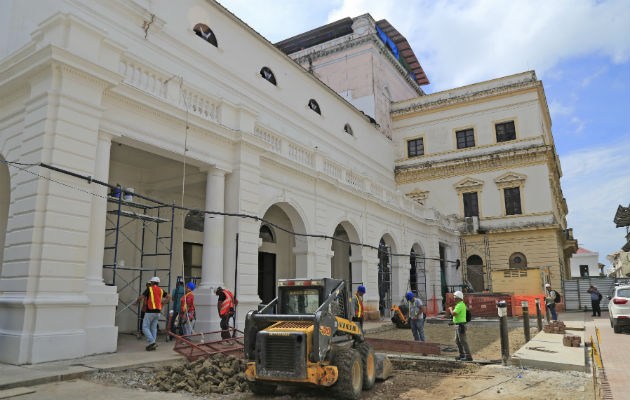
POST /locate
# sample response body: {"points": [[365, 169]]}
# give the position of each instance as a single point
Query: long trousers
{"points": [[417, 328], [461, 340], [149, 326]]}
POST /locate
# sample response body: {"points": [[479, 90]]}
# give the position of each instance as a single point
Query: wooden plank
{"points": [[405, 346]]}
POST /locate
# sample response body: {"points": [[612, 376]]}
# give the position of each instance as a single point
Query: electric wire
{"points": [[91, 180]]}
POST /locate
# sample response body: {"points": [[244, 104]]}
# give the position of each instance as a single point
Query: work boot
{"points": [[148, 348], [468, 357], [460, 357], [154, 346]]}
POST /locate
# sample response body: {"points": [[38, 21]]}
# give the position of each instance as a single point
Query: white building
{"points": [[585, 263], [117, 91]]}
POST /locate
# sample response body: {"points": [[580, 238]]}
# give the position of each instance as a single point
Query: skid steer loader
{"points": [[309, 341]]}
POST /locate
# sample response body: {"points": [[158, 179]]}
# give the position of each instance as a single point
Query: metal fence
{"points": [[576, 297]]}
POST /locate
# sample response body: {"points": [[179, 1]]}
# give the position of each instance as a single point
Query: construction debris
{"points": [[555, 327], [219, 374], [571, 341]]}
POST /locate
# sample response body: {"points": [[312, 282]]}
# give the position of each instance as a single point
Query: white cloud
{"points": [[595, 182], [461, 42], [557, 108], [579, 124]]}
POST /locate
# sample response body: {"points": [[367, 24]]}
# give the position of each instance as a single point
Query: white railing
{"points": [[266, 136], [300, 155], [332, 169], [199, 104], [354, 180], [143, 78]]}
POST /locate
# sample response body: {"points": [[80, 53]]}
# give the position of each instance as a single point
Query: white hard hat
{"points": [[459, 294], [547, 285], [155, 279]]}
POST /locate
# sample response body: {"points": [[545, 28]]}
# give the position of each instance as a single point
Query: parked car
{"points": [[619, 307]]}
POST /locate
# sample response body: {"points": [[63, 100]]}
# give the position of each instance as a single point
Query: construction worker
{"points": [[459, 319], [416, 316], [226, 307], [550, 301], [187, 309], [178, 293], [357, 306], [155, 297]]}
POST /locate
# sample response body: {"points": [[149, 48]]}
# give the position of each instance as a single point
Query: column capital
{"points": [[214, 170]]}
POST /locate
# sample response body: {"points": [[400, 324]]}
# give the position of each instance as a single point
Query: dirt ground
{"points": [[484, 340]]}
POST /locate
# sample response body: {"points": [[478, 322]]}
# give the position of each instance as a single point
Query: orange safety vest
{"points": [[227, 303], [155, 298], [359, 312], [187, 307]]}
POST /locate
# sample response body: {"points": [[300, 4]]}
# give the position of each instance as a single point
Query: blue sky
{"points": [[580, 49]]}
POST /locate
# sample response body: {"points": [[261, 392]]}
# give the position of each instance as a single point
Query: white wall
{"points": [[590, 259]]}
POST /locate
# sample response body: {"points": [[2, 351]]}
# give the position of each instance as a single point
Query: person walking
{"points": [[596, 297], [155, 297], [416, 316], [227, 307], [459, 319], [178, 293], [551, 300], [187, 309], [357, 306]]}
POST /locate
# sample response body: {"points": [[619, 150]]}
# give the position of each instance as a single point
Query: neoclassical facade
{"points": [[189, 107], [486, 154]]}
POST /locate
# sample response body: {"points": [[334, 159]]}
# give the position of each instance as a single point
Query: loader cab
{"points": [[300, 296]]}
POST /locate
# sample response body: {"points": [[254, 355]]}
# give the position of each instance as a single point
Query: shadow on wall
{"points": [[5, 196]]}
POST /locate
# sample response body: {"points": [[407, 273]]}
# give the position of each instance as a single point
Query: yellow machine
{"points": [[309, 341]]}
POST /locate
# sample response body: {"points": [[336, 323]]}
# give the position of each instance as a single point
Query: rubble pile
{"points": [[219, 374]]}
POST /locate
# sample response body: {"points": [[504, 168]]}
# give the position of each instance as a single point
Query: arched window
{"points": [[348, 129], [266, 234], [268, 75], [518, 260], [312, 104], [206, 34]]}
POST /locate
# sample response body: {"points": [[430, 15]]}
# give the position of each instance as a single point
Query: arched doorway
{"points": [[417, 272], [385, 250], [341, 263], [474, 272], [277, 252], [5, 199]]}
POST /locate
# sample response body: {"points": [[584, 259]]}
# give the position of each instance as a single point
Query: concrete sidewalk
{"points": [[131, 353]]}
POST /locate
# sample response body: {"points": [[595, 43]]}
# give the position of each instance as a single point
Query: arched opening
{"points": [[474, 272], [518, 260], [268, 75], [312, 104], [5, 198], [204, 32], [278, 252], [417, 272], [385, 250], [342, 266]]}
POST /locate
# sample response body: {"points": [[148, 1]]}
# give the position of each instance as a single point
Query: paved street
{"points": [[615, 349]]}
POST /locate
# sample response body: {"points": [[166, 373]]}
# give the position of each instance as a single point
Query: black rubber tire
{"points": [[265, 389], [617, 327], [350, 375], [368, 360], [611, 323]]}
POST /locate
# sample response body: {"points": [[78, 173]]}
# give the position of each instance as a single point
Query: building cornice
{"points": [[472, 165]]}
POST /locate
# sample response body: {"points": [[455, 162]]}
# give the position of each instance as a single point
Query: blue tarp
{"points": [[387, 41]]}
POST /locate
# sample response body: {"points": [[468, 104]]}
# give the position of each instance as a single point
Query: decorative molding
{"points": [[418, 195], [468, 185], [490, 162], [510, 179]]}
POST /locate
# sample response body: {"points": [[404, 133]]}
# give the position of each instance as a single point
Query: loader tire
{"points": [[350, 375], [369, 365], [262, 388]]}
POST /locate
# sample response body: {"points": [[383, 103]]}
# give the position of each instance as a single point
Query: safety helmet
{"points": [[409, 295], [219, 289], [547, 285], [191, 286], [459, 294], [155, 279], [361, 289]]}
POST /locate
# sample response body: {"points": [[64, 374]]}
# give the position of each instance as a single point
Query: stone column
{"points": [[212, 256], [102, 334]]}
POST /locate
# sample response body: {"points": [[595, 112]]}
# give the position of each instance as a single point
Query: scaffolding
{"points": [[142, 233]]}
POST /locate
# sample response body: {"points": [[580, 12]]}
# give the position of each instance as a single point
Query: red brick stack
{"points": [[555, 327], [571, 341]]}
